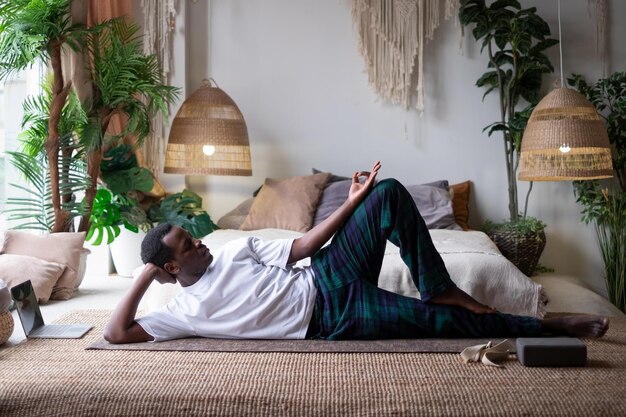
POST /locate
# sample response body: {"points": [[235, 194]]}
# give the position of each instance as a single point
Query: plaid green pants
{"points": [[349, 304]]}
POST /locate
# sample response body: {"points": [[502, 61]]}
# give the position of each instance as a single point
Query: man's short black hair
{"points": [[153, 249]]}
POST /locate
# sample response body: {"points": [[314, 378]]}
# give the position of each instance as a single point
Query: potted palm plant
{"points": [[123, 81], [604, 203], [32, 31], [515, 41]]}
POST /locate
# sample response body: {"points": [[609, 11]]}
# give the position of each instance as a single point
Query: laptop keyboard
{"points": [[53, 330]]}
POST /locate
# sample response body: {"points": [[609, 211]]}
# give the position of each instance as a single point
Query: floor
{"points": [[98, 291]]}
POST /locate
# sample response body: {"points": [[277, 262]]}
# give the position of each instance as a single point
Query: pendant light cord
{"points": [[560, 40]]}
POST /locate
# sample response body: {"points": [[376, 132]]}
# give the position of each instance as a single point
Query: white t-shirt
{"points": [[247, 292]]}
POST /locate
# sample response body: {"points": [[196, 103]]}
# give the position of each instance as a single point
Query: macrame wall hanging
{"points": [[600, 6], [391, 39], [392, 34], [158, 25]]}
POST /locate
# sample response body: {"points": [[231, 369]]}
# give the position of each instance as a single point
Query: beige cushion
{"points": [[5, 296], [63, 248], [460, 194], [286, 204], [15, 269]]}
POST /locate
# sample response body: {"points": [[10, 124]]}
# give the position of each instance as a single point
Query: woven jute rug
{"points": [[42, 377]]}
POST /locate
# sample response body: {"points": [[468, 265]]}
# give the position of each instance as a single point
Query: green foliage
{"points": [[35, 210], [28, 26], [542, 269], [604, 203], [528, 225], [105, 219], [184, 209], [608, 95], [611, 233], [126, 81], [109, 212], [516, 40]]}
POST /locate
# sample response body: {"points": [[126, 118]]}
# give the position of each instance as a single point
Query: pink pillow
{"points": [[15, 269], [62, 248]]}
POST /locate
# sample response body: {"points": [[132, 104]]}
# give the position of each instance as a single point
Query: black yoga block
{"points": [[551, 351]]}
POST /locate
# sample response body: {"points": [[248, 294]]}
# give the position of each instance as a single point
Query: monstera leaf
{"points": [[184, 209], [123, 181]]}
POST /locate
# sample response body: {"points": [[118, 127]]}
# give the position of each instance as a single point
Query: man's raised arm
{"points": [[122, 327], [311, 241]]}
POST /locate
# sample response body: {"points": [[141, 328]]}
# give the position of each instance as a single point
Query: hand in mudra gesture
{"points": [[359, 190]]}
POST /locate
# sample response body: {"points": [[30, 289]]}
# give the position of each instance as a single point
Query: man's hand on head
{"points": [[159, 274]]}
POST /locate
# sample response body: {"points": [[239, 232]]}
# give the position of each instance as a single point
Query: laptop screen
{"points": [[27, 306]]}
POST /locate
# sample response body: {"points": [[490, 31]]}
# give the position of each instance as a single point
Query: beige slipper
{"points": [[488, 353]]}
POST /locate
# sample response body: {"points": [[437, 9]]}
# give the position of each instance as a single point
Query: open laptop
{"points": [[32, 320]]}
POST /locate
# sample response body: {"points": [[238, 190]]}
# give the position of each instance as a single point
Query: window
{"points": [[13, 92]]}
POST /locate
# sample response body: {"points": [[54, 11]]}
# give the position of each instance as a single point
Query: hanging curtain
{"points": [[159, 23], [92, 12], [392, 34]]}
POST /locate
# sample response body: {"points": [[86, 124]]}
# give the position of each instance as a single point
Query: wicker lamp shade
{"points": [[208, 136], [565, 140]]}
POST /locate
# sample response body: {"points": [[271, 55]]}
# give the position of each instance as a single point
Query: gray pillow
{"points": [[333, 196], [439, 184], [336, 178], [333, 177], [432, 200], [435, 206], [235, 218]]}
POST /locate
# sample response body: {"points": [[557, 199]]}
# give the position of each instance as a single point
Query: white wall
{"points": [[293, 68]]}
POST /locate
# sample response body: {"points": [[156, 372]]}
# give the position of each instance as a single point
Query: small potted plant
{"points": [[125, 208], [515, 40]]}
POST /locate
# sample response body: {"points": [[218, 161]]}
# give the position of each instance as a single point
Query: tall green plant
{"points": [[515, 40], [126, 83], [32, 30], [35, 210], [123, 80], [611, 232], [604, 203]]}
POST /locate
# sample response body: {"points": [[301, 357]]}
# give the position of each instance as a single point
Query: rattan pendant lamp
{"points": [[208, 136], [565, 138]]}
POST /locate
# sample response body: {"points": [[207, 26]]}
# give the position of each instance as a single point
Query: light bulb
{"points": [[565, 148], [208, 150]]}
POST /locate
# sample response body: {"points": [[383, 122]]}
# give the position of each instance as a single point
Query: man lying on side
{"points": [[251, 288]]}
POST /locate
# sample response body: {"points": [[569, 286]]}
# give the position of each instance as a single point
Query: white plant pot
{"points": [[82, 266], [126, 252]]}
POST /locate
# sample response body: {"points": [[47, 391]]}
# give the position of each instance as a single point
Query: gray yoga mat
{"points": [[301, 346]]}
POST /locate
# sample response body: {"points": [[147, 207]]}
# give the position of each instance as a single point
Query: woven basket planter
{"points": [[522, 249], [6, 326]]}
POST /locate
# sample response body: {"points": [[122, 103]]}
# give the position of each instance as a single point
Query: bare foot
{"points": [[457, 297], [580, 326]]}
